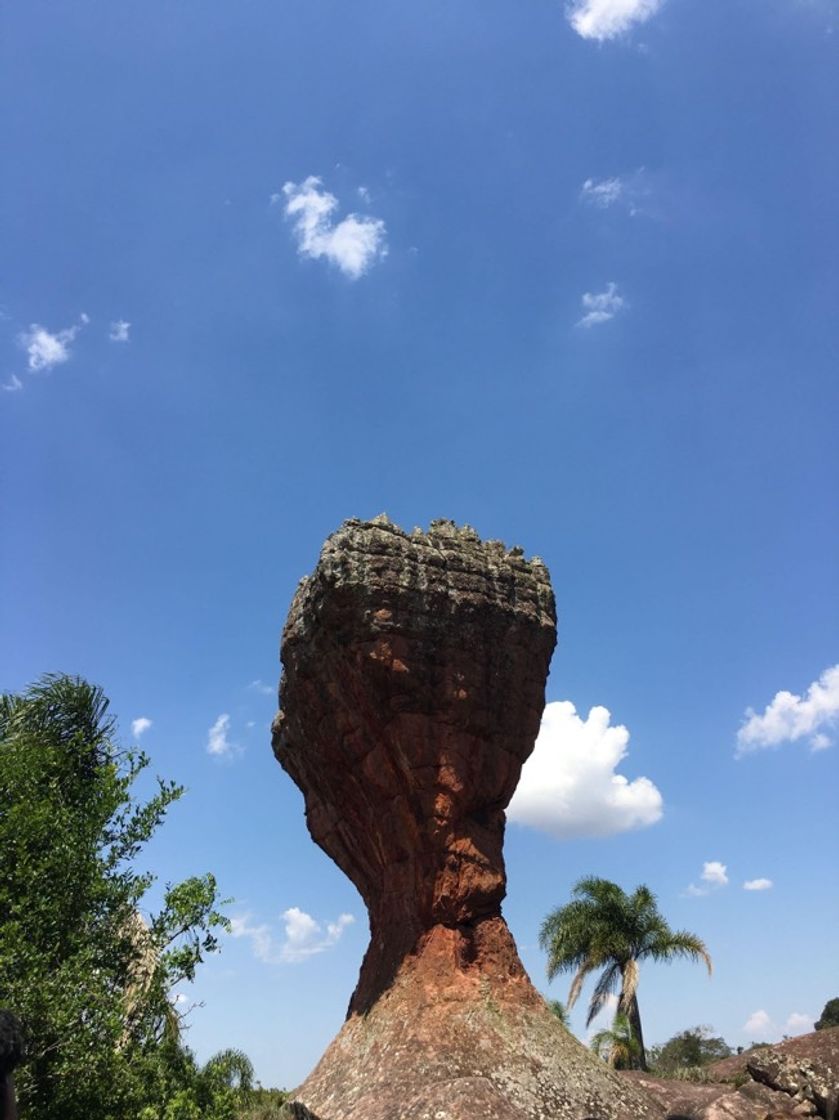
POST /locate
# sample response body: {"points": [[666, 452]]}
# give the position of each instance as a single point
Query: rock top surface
{"points": [[413, 687]]}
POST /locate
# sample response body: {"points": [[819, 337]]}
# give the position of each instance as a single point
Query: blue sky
{"points": [[586, 304]]}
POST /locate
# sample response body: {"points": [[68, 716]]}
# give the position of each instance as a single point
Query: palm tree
{"points": [[617, 1046], [604, 928]]}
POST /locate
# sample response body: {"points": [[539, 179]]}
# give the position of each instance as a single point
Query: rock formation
{"points": [[796, 1078], [413, 686]]}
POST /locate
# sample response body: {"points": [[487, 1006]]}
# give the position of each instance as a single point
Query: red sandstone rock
{"points": [[413, 686]]}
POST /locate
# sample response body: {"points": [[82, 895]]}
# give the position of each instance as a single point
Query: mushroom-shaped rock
{"points": [[413, 686]]}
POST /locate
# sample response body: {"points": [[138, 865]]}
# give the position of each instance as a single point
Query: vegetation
{"points": [[617, 1045], [559, 1011], [603, 928], [688, 1050], [89, 976], [829, 1016]]}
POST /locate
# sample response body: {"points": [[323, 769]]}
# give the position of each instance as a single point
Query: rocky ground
{"points": [[795, 1078]]}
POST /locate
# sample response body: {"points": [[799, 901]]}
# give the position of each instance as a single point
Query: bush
{"points": [[829, 1016]]}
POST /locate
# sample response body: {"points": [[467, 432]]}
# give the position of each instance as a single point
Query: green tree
{"points": [[687, 1050], [603, 928], [88, 975], [617, 1046], [829, 1016]]}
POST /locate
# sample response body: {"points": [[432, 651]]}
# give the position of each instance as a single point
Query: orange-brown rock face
{"points": [[413, 686]]}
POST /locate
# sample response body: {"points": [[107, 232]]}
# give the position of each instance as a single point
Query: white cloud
{"points": [[119, 331], [630, 192], [45, 350], [606, 19], [602, 194], [759, 1026], [261, 687], [799, 1023], [715, 873], [353, 244], [600, 307], [13, 385], [713, 876], [218, 741], [757, 885], [303, 937], [140, 726], [790, 717], [569, 787]]}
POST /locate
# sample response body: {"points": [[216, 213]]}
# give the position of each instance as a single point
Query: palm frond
{"points": [[605, 987], [582, 972]]}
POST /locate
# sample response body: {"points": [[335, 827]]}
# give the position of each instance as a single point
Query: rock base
{"points": [[450, 1041]]}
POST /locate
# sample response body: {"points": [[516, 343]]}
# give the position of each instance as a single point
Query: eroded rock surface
{"points": [[413, 686]]}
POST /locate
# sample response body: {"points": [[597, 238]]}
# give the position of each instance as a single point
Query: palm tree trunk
{"points": [[633, 1014]]}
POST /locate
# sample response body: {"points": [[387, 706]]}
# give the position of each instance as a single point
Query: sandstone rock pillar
{"points": [[413, 686]]}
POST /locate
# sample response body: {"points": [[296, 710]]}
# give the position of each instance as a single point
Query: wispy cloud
{"points": [[569, 785], [603, 193], [262, 688], [790, 717], [607, 19], [44, 350], [714, 875], [140, 726], [13, 385], [600, 307], [758, 885], [629, 193], [218, 738], [353, 244], [119, 330], [303, 937]]}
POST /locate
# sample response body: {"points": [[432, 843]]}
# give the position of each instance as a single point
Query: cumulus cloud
{"points": [[757, 885], [569, 787], [353, 244], [790, 717], [600, 307], [607, 19], [759, 1026], [44, 349], [302, 937], [218, 738], [119, 331], [799, 1023], [140, 726], [13, 385], [714, 875]]}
